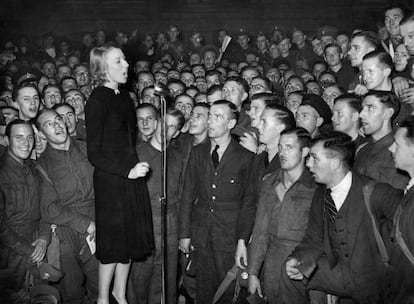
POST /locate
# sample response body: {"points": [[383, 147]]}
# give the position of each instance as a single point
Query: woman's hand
{"points": [[140, 170]]}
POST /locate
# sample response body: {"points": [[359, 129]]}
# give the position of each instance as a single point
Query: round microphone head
{"points": [[160, 89]]}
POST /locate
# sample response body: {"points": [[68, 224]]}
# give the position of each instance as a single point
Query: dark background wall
{"points": [[72, 17]]}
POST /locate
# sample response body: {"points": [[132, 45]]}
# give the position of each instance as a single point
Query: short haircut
{"points": [[337, 85], [50, 85], [176, 81], [327, 72], [383, 57], [202, 105], [213, 73], [145, 89], [15, 93], [62, 66], [150, 106], [63, 104], [407, 18], [234, 113], [41, 112], [320, 62], [339, 145], [303, 136], [333, 45], [370, 37], [387, 98], [209, 49], [409, 125], [396, 6], [267, 83], [197, 65], [268, 99], [214, 88], [77, 91], [294, 76], [249, 67], [67, 78], [48, 61], [240, 81], [177, 114], [352, 100], [185, 95], [145, 73], [16, 122], [283, 114]]}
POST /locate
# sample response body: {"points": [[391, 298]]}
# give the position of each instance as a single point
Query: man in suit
{"points": [[339, 254], [400, 281], [220, 223]]}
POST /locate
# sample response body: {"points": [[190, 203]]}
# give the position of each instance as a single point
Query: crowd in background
{"points": [[259, 128]]}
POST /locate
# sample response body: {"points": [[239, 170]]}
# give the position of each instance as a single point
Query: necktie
{"points": [[215, 156], [330, 207]]}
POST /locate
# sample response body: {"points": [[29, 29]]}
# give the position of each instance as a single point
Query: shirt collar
{"points": [[410, 184], [345, 183]]}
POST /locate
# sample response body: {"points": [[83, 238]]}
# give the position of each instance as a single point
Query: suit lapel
{"points": [[407, 197], [227, 156], [356, 207]]}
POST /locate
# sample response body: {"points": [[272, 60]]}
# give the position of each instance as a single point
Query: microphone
{"points": [[161, 89]]}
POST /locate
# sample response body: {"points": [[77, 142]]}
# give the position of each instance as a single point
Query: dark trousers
{"points": [[212, 266], [334, 281], [144, 284], [80, 280]]}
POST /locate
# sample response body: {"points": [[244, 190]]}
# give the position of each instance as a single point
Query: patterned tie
{"points": [[215, 156], [330, 207]]}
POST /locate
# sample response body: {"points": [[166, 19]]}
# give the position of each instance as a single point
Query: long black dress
{"points": [[122, 205]]}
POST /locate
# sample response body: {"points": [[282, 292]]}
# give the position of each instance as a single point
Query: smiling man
{"points": [[24, 235], [376, 71]]}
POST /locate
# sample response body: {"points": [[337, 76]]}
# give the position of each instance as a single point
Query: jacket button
{"points": [[213, 197], [211, 210], [346, 255], [213, 186]]}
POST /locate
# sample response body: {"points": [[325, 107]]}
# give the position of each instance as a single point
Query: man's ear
{"points": [[389, 112], [232, 123], [305, 152], [42, 135], [387, 72], [319, 121], [245, 95], [6, 140]]}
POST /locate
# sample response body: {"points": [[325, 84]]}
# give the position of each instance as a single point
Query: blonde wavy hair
{"points": [[98, 65]]}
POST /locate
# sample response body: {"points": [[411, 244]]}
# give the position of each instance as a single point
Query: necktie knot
{"points": [[215, 156]]}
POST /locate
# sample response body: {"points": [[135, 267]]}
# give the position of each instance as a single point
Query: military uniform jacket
{"points": [[217, 204]]}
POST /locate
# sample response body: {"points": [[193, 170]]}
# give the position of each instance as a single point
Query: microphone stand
{"points": [[161, 91]]}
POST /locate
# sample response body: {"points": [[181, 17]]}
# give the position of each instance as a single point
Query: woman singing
{"points": [[122, 206]]}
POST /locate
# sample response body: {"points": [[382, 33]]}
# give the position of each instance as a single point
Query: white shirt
{"points": [[410, 184], [340, 191]]}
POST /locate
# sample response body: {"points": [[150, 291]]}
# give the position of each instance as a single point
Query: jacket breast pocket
{"points": [[233, 187], [299, 213]]}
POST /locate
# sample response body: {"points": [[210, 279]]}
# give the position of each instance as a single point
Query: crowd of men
{"points": [[290, 161]]}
